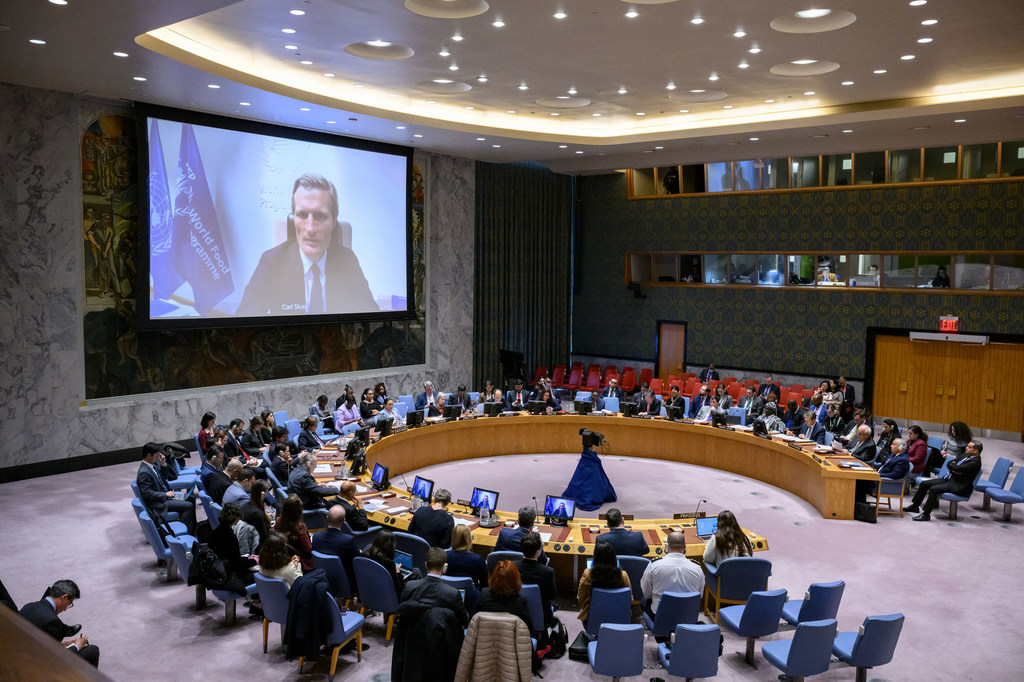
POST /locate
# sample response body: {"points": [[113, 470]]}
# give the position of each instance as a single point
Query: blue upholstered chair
{"points": [[675, 608], [955, 500], [943, 471], [402, 409], [608, 606], [344, 626], [873, 645], [337, 579], [996, 479], [349, 429], [494, 557], [177, 527], [732, 581], [820, 603], [156, 544], [274, 600], [737, 413], [695, 652], [280, 417], [230, 599], [808, 653], [364, 538], [618, 650], [535, 605], [414, 546], [294, 428], [829, 437], [759, 617], [611, 404], [1015, 494], [634, 566], [181, 550], [315, 519], [471, 597], [211, 516], [408, 401], [376, 591]]}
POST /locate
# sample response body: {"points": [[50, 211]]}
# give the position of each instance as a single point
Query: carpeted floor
{"points": [[948, 578]]}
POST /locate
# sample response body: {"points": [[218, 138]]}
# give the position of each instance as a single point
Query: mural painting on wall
{"points": [[120, 360]]}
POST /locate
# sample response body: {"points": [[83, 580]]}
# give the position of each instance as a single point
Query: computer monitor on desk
{"points": [[363, 435], [484, 499], [675, 412], [423, 488], [558, 511], [583, 406], [384, 426], [493, 409], [379, 477], [537, 406], [452, 411], [414, 418], [629, 409]]}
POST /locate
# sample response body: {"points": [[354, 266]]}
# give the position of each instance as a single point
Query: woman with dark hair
{"points": [[383, 552], [917, 449], [347, 413], [724, 399], [956, 442], [890, 432], [550, 404], [224, 543], [268, 426], [205, 430], [502, 594], [323, 412], [254, 512], [833, 423], [728, 541], [277, 561], [368, 407], [380, 393], [488, 393], [291, 526], [604, 573], [252, 438]]}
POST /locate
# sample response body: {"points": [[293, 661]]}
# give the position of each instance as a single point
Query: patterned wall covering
{"points": [[805, 332]]}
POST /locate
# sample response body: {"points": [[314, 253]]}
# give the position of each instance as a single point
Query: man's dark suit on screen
{"points": [[44, 616], [338, 543], [625, 541], [278, 284]]}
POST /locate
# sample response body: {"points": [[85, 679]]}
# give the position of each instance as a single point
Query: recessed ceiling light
{"points": [[303, 108], [444, 52], [399, 127], [684, 111], [562, 97], [524, 86], [769, 101], [641, 113], [417, 135], [291, 47], [632, 14], [480, 139], [816, 136], [496, 146], [697, 21], [469, 108], [813, 13], [713, 77], [847, 131], [595, 115], [907, 57], [847, 83], [659, 147], [289, 31], [443, 81], [297, 12], [139, 78], [809, 93], [560, 15], [510, 111], [358, 85], [579, 151], [431, 101], [754, 50], [562, 146], [727, 106], [670, 86], [960, 120], [245, 104], [739, 33], [743, 65], [37, 41], [497, 23], [457, 37], [921, 128], [214, 86], [453, 67], [803, 61], [331, 122], [481, 78], [305, 62], [58, 2], [879, 71], [918, 3], [622, 90], [924, 40], [329, 75], [378, 43], [571, 91], [754, 139], [929, 22], [120, 54], [697, 91]]}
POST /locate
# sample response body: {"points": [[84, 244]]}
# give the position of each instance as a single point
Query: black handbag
{"points": [[578, 648]]}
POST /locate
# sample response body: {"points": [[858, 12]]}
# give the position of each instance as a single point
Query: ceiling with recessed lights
{"points": [[582, 86]]}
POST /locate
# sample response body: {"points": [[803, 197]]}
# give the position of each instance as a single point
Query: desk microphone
{"points": [[698, 508], [408, 489]]}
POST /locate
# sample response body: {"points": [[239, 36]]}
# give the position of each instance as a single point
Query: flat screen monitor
{"points": [[629, 409], [537, 406], [230, 206], [560, 507], [583, 406], [484, 498], [414, 418], [379, 475], [707, 526], [493, 409], [384, 426], [452, 411], [675, 412], [363, 435], [423, 488]]}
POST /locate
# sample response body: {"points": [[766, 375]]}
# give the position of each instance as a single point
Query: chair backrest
{"points": [[541, 372], [611, 404], [645, 376], [312, 410], [494, 557], [657, 385], [534, 605], [211, 516], [620, 650], [944, 469], [936, 442], [153, 537], [408, 401], [742, 575], [138, 507], [135, 488], [181, 551], [575, 376], [829, 437], [403, 409], [280, 417], [582, 395], [349, 429], [822, 601], [695, 652], [273, 598], [876, 642], [1018, 482], [811, 650], [761, 613], [558, 376], [376, 588], [414, 546], [675, 608], [337, 579], [608, 606], [594, 380], [273, 479], [198, 449], [293, 428], [628, 382], [634, 566], [459, 582], [1000, 472]]}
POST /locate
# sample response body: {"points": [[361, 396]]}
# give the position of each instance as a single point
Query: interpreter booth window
{"points": [[979, 161], [666, 267], [717, 269], [771, 270], [744, 268], [837, 170], [869, 168], [720, 177], [643, 182], [668, 180], [933, 271], [689, 268], [801, 270], [940, 163], [830, 271], [1012, 165], [1008, 272], [804, 172], [905, 165], [899, 271], [972, 271], [775, 174], [864, 270], [640, 268]]}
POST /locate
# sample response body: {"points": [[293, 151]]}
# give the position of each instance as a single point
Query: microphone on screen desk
{"points": [[698, 508]]}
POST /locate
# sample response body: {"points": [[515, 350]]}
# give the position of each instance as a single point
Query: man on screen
{"points": [[483, 499], [311, 272]]}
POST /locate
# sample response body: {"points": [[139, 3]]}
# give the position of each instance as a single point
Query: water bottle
{"points": [[485, 516], [416, 502]]}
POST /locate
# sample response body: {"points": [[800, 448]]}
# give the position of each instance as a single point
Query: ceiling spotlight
{"points": [[378, 43], [809, 93], [141, 79], [713, 77], [431, 101], [37, 41], [560, 15], [813, 13], [571, 91], [481, 78], [120, 54], [305, 62], [847, 131], [303, 108], [296, 12], [739, 34], [562, 97], [641, 113], [329, 75], [469, 108], [879, 71], [444, 52], [632, 14], [743, 65], [684, 111], [659, 147], [803, 62], [847, 83], [696, 21], [769, 101], [443, 81], [579, 151], [670, 86], [289, 31], [245, 104], [457, 37], [417, 135], [554, 113], [480, 139], [754, 139], [929, 22], [497, 23], [697, 91], [727, 106], [562, 146], [453, 67], [754, 50], [907, 57], [622, 90], [58, 2], [918, 3], [213, 86], [399, 127], [496, 146], [358, 85], [331, 122], [524, 86], [595, 115], [924, 40], [291, 47], [960, 120]]}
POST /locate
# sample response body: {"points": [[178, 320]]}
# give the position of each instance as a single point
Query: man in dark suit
{"points": [[709, 374], [311, 272], [769, 386], [308, 438], [700, 400], [533, 572], [613, 390], [433, 591], [863, 448], [302, 483], [280, 462], [812, 430], [427, 397], [233, 443], [213, 467], [650, 405], [895, 468], [962, 472], [849, 398], [433, 522], [516, 399], [354, 514], [45, 614], [794, 417], [461, 397], [336, 542], [511, 539], [157, 495], [624, 541], [217, 483]]}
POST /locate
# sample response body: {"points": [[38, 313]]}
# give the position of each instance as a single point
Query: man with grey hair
{"points": [[511, 539], [864, 449], [427, 397], [895, 468], [311, 272], [674, 573], [302, 483]]}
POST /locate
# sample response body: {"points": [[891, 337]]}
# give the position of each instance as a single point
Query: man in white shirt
{"points": [[674, 573]]}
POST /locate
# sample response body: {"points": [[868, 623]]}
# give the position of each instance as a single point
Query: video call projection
{"points": [[231, 234]]}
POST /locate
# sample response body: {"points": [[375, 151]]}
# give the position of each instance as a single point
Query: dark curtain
{"points": [[522, 299]]}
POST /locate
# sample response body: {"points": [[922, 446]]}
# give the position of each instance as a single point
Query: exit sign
{"points": [[949, 324]]}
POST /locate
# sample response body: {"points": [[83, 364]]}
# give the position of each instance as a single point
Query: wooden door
{"points": [[671, 348]]}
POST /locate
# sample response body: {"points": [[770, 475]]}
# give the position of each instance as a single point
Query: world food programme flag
{"points": [[166, 278], [200, 255]]}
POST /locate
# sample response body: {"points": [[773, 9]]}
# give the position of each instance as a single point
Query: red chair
{"points": [[610, 369], [593, 381], [627, 369], [628, 383], [575, 377], [728, 380], [807, 393], [736, 390], [657, 386], [688, 375], [713, 383], [645, 376], [671, 378], [576, 365], [678, 384], [541, 372], [751, 382], [558, 379], [594, 367], [797, 387], [608, 378]]}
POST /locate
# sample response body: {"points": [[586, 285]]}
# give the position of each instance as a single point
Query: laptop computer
{"points": [[404, 562], [706, 526]]}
